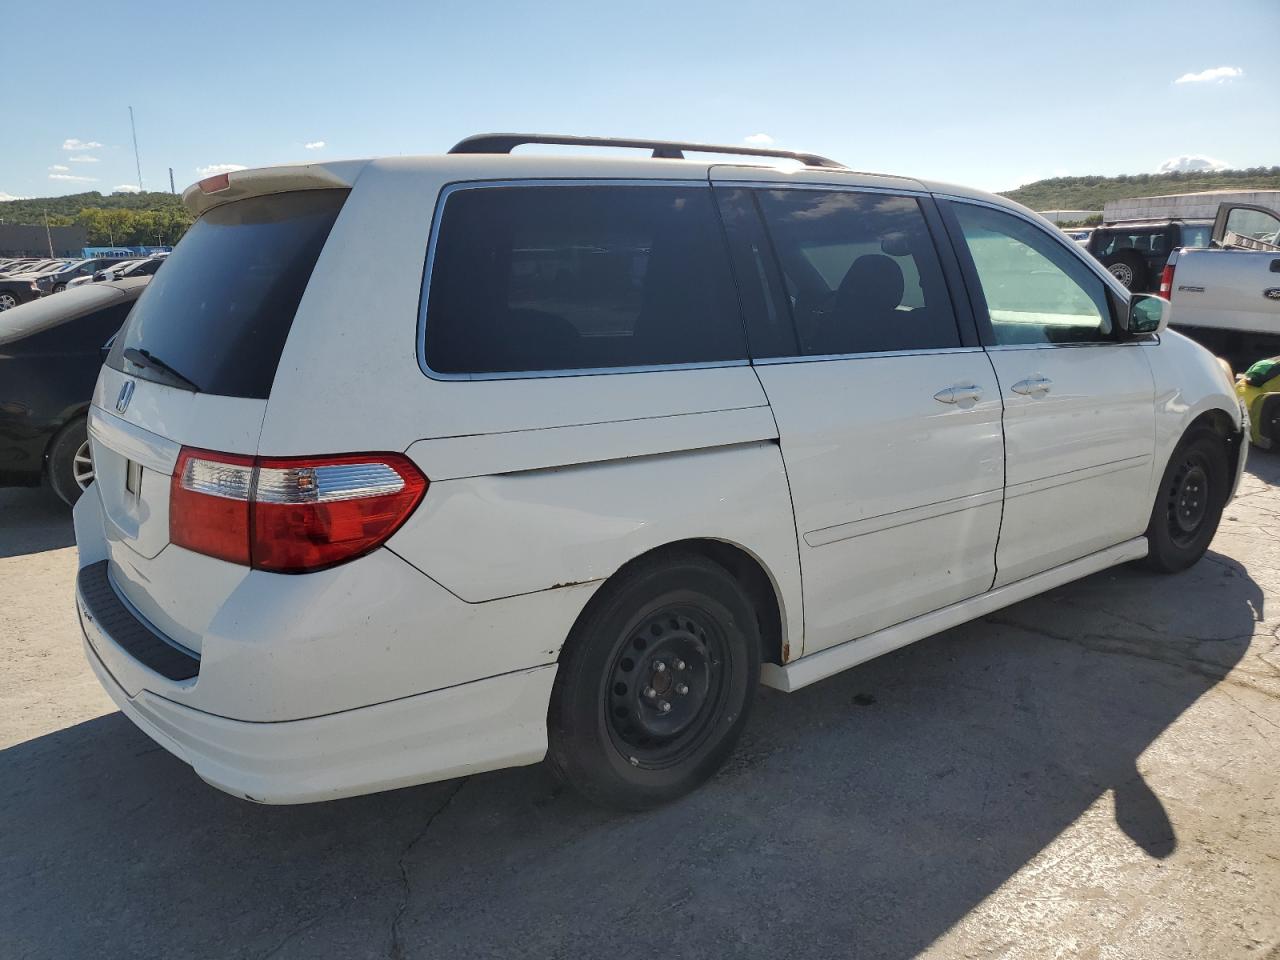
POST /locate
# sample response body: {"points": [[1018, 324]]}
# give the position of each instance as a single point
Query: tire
{"points": [[1129, 268], [70, 470], [1268, 418], [1189, 502], [675, 629], [8, 300]]}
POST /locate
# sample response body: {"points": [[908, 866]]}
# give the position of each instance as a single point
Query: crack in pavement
{"points": [[300, 928], [1129, 647], [397, 948]]}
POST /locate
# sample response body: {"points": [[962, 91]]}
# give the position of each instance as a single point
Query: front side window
{"points": [[1252, 229], [579, 277], [1036, 290], [861, 272]]}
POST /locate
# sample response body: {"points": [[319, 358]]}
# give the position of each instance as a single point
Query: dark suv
{"points": [[1135, 251]]}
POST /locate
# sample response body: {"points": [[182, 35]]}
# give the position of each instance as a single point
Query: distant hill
{"points": [[118, 218], [1090, 193], [32, 210]]}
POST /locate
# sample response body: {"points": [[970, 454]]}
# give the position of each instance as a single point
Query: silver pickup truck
{"points": [[1227, 296]]}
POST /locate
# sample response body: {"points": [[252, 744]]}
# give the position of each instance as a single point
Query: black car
{"points": [[50, 354], [1136, 251], [15, 291]]}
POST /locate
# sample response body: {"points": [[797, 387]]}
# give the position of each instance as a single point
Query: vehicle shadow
{"points": [[32, 520], [863, 816]]}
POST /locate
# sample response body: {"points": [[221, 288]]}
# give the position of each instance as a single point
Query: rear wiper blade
{"points": [[145, 358]]}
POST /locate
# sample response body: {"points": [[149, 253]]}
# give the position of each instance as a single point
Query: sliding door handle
{"points": [[959, 394], [1036, 386]]}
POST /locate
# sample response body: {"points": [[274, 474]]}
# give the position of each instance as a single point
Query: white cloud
{"points": [[216, 168], [71, 143], [9, 196], [72, 177], [126, 188], [314, 145], [1212, 75], [59, 168], [759, 140], [83, 158], [1191, 163]]}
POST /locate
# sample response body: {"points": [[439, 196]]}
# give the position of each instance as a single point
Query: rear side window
{"points": [[219, 312], [861, 272], [1196, 234], [547, 278]]}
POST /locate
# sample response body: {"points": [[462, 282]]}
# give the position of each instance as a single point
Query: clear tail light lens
{"points": [[293, 514]]}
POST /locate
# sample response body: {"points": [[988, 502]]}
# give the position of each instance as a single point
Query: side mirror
{"points": [[105, 350], [1147, 315]]}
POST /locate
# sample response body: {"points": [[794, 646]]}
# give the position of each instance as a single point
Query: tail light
{"points": [[290, 514], [1166, 281]]}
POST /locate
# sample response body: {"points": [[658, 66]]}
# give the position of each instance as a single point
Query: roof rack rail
{"points": [[662, 149]]}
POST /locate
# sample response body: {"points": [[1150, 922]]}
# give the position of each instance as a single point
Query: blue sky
{"points": [[987, 94]]}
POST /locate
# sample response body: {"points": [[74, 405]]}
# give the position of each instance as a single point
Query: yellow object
{"points": [[1253, 398]]}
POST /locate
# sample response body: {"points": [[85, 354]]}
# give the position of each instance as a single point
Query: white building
{"points": [[1185, 206]]}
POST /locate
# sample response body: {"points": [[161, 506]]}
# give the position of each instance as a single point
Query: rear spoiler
{"points": [[239, 184]]}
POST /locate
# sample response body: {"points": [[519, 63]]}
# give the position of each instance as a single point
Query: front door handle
{"points": [[1036, 386], [959, 394]]}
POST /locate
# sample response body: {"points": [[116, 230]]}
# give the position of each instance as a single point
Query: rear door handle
{"points": [[1036, 386], [959, 394]]}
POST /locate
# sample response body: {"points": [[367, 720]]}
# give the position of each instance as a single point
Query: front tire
{"points": [[1189, 502], [70, 464], [8, 300], [655, 683]]}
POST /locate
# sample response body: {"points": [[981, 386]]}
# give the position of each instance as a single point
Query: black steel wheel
{"points": [[655, 682], [1189, 502]]}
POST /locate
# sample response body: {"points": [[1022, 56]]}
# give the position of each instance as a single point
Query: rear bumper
{"points": [[470, 728]]}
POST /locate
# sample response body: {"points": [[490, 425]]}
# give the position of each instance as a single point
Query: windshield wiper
{"points": [[145, 358]]}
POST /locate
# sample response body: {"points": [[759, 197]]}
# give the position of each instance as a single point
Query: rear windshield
{"points": [[216, 317], [544, 278]]}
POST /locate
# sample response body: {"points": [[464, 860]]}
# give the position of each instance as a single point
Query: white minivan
{"points": [[417, 467]]}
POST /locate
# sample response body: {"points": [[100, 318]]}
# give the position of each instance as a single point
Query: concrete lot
{"points": [[1092, 773]]}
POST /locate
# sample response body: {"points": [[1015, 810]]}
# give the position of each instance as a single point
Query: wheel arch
{"points": [[745, 566]]}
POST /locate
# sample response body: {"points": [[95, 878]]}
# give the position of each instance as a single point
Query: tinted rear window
{"points": [[579, 277], [220, 310]]}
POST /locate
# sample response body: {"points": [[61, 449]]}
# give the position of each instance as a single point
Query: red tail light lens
{"points": [[209, 504], [312, 513], [294, 514], [1166, 281]]}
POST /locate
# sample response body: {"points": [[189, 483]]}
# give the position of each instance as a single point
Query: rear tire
{"points": [[1129, 268], [8, 300], [70, 467], [655, 683], [1189, 502]]}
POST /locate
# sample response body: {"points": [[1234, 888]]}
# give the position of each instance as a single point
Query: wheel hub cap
{"points": [[1192, 500], [662, 685]]}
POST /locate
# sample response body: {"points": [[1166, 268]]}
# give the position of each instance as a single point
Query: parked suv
{"points": [[1135, 251], [413, 468]]}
